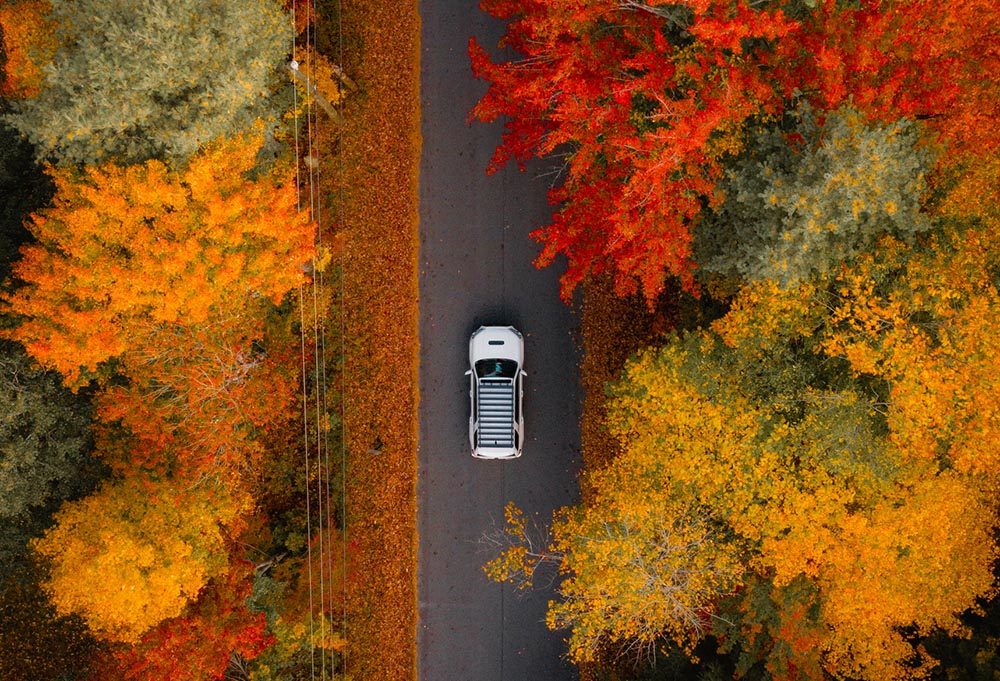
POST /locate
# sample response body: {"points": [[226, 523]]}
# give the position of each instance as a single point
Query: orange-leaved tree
{"points": [[28, 44], [197, 397], [125, 250], [928, 334]]}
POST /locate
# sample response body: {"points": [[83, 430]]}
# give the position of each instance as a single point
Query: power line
{"points": [[304, 386], [343, 354], [324, 496]]}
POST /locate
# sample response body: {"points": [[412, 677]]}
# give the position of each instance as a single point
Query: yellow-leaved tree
{"points": [[922, 320], [776, 484], [803, 480], [909, 545], [128, 556]]}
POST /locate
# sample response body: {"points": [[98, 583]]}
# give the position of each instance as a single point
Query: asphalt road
{"points": [[475, 268]]}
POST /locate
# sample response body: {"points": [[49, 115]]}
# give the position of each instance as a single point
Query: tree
{"points": [[812, 489], [801, 202], [198, 644], [28, 44], [127, 250], [642, 559], [196, 398], [131, 81], [126, 558], [45, 447], [636, 579], [902, 59], [645, 101]]}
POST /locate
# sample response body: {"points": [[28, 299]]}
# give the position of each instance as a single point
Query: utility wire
{"points": [[324, 494], [319, 377], [343, 354], [304, 386]]}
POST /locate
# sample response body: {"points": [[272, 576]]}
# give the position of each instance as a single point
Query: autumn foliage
{"points": [[641, 105], [126, 251], [197, 645], [821, 459], [809, 480], [643, 113], [126, 558], [159, 290], [904, 58], [28, 43]]}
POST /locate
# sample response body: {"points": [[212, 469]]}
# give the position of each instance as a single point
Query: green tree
{"points": [[45, 448], [814, 192], [133, 80]]}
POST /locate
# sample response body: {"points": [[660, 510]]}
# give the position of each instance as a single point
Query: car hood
{"points": [[496, 342]]}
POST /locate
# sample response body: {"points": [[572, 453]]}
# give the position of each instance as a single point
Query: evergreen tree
{"points": [[44, 438]]}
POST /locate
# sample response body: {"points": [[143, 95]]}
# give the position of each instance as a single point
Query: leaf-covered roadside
{"points": [[379, 157]]}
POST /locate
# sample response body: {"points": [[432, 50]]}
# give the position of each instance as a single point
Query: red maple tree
{"points": [[903, 58], [644, 101]]}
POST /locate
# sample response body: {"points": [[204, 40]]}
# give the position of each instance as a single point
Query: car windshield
{"points": [[496, 368]]}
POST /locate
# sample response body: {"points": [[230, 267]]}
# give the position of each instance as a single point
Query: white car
{"points": [[496, 390]]}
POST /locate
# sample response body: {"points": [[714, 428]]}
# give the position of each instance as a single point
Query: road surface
{"points": [[475, 268]]}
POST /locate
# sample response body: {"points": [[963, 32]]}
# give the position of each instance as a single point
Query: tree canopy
{"points": [[132, 81], [127, 557], [811, 194], [643, 102], [125, 250], [786, 496], [45, 444]]}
